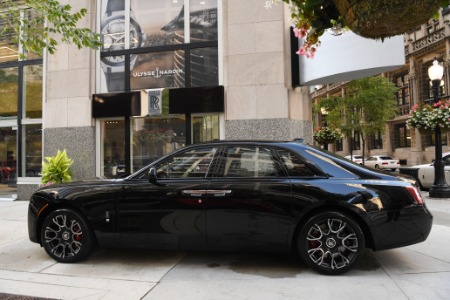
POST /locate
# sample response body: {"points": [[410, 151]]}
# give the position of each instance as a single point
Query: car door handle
{"points": [[218, 193], [194, 193]]}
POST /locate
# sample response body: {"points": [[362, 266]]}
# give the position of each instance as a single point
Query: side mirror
{"points": [[152, 176]]}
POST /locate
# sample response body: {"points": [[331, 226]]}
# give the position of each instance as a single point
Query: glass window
{"points": [[204, 67], [8, 155], [156, 137], [294, 166], [203, 20], [249, 161], [32, 142], [113, 75], [32, 91], [158, 70], [158, 22], [8, 48], [9, 92], [205, 128], [192, 163], [113, 137]]}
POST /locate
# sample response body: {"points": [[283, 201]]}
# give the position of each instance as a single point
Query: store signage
{"points": [[157, 73], [155, 102]]}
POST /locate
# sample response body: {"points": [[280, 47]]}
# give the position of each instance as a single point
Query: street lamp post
{"points": [[440, 188]]}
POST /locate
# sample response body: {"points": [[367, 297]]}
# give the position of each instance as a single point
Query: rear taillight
{"points": [[384, 163], [415, 194]]}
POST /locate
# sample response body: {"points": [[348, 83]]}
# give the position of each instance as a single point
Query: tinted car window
{"points": [[294, 166], [249, 161], [192, 163]]}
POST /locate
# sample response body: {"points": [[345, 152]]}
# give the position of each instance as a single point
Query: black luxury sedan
{"points": [[237, 195]]}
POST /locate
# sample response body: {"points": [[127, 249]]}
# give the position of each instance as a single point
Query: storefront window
{"points": [[204, 67], [9, 92], [205, 128], [8, 159], [33, 91], [113, 136], [158, 23], [155, 137], [203, 20], [32, 142], [157, 70], [113, 75]]}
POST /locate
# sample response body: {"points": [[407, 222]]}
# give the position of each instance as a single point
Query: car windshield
{"points": [[385, 157]]}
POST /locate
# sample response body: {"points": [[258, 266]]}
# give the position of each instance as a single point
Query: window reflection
{"points": [[9, 92], [33, 150], [33, 91], [155, 137], [113, 136]]}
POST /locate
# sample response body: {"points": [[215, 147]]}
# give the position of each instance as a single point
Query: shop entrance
{"points": [[151, 138], [8, 162]]}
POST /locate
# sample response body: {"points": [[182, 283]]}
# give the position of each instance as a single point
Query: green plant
{"points": [[57, 168], [427, 117], [325, 135]]}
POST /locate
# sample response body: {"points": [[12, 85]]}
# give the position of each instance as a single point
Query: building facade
{"points": [[427, 42], [170, 73]]}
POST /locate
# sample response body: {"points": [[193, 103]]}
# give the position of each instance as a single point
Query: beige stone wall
{"points": [[260, 102], [70, 79], [257, 63]]}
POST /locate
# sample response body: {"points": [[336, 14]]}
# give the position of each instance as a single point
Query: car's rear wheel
{"points": [[377, 167], [66, 236], [331, 243]]}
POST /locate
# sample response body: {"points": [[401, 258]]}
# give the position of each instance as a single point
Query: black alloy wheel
{"points": [[66, 236], [331, 243]]}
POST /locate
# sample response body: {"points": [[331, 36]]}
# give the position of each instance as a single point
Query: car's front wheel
{"points": [[66, 236], [331, 243]]}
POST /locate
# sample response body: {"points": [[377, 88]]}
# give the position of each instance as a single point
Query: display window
{"points": [[152, 34]]}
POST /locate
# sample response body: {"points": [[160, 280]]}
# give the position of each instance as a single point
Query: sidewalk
{"points": [[420, 271]]}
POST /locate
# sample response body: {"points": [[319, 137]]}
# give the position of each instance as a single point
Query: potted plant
{"points": [[57, 168], [425, 117], [325, 135]]}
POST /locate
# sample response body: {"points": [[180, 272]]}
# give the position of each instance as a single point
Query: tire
{"points": [[331, 243], [377, 167], [66, 237]]}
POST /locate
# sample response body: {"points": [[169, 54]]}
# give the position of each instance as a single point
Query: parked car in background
{"points": [[425, 172], [356, 158], [382, 162], [236, 195]]}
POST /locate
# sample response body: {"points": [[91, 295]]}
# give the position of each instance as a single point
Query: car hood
{"points": [[74, 189]]}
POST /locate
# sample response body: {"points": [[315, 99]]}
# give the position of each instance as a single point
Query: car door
{"points": [[168, 213], [426, 173], [248, 203]]}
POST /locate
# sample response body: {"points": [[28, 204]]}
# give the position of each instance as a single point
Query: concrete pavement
{"points": [[420, 271]]}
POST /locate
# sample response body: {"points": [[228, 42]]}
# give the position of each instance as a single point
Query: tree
{"points": [[368, 105], [36, 24]]}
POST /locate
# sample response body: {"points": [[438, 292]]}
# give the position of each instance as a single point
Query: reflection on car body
{"points": [[236, 195]]}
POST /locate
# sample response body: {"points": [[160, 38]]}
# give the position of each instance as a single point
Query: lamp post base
{"points": [[439, 191]]}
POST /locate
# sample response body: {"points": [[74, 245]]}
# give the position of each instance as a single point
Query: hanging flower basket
{"points": [[326, 135], [378, 19], [426, 117]]}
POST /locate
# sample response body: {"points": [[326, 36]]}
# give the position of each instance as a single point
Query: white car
{"points": [[356, 158], [425, 172], [382, 162]]}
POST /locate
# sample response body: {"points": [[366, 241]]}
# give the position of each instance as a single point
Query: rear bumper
{"points": [[407, 226]]}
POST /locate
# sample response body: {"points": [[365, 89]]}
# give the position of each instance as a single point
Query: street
{"points": [[420, 271]]}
